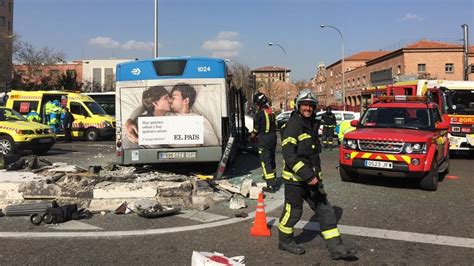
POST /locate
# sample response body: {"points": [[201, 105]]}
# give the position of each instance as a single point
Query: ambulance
{"points": [[90, 120]]}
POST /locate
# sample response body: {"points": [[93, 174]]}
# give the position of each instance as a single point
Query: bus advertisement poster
{"points": [[182, 105]]}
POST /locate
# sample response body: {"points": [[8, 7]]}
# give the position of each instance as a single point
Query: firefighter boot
{"points": [[287, 243], [338, 251]]}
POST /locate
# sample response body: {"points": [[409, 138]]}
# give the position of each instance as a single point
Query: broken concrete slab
{"points": [[67, 169], [237, 203], [174, 189], [245, 187], [225, 184], [254, 191], [109, 190], [10, 191]]}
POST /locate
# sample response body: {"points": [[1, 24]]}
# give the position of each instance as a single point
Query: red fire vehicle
{"points": [[398, 136]]}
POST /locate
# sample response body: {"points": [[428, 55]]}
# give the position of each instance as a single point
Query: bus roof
{"points": [[182, 67]]}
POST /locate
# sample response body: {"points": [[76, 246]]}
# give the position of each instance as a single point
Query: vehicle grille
{"points": [[42, 131], [381, 146]]}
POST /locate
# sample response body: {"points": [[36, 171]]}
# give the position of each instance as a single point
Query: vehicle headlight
{"points": [[107, 123], [24, 132], [415, 147], [349, 144]]}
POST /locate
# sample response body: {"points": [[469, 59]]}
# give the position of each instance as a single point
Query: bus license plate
{"points": [[379, 164], [177, 155]]}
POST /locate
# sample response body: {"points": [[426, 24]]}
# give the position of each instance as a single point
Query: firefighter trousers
{"points": [[328, 135], [293, 209], [266, 153]]}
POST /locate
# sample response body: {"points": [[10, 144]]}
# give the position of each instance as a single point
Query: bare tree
{"points": [[240, 77], [34, 59]]}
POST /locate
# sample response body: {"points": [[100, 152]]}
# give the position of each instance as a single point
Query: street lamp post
{"points": [[284, 74], [342, 64]]}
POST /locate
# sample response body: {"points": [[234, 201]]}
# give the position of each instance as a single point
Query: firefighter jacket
{"points": [[264, 122], [300, 148], [328, 120], [33, 117]]}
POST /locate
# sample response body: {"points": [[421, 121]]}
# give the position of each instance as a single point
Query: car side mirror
{"points": [[354, 123], [444, 125]]}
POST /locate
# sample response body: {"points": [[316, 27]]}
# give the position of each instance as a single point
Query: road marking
{"points": [[389, 234], [272, 203], [200, 216], [74, 225]]}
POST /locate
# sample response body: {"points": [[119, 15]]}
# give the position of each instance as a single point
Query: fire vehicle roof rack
{"points": [[401, 98]]}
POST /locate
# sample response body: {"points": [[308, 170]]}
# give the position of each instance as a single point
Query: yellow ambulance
{"points": [[16, 134], [90, 120]]}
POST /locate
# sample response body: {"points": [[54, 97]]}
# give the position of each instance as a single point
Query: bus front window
{"points": [[95, 108]]}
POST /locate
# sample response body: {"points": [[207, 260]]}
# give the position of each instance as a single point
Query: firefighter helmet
{"points": [[260, 99], [306, 95]]}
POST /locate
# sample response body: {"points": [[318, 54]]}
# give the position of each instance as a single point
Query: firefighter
{"points": [[55, 118], [302, 179], [265, 129], [48, 108], [328, 119]]}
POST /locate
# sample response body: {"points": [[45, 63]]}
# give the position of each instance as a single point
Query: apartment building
{"points": [[6, 40], [275, 82], [423, 59]]}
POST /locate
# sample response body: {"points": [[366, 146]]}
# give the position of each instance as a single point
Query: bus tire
{"points": [[7, 146], [430, 181], [92, 134]]}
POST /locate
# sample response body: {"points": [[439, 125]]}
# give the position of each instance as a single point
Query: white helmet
{"points": [[306, 95]]}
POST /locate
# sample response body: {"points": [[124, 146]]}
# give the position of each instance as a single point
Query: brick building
{"points": [[6, 42], [420, 60], [275, 82], [38, 73]]}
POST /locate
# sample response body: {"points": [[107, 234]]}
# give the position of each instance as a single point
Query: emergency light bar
{"points": [[404, 98]]}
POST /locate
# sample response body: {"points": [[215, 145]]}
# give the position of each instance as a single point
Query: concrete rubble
{"points": [[106, 188]]}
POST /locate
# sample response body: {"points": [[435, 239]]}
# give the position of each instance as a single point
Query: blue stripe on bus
{"points": [[196, 67]]}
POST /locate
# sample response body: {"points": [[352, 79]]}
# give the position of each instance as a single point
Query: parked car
{"points": [[282, 118], [17, 134]]}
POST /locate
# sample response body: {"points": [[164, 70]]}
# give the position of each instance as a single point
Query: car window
{"points": [[77, 109], [338, 116], [349, 117]]}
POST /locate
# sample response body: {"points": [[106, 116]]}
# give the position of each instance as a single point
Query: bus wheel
{"points": [[92, 134], [7, 146]]}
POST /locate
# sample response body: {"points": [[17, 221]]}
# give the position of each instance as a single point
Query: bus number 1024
{"points": [[204, 69]]}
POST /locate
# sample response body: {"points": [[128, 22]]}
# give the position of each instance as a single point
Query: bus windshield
{"points": [[462, 102], [95, 108], [409, 118]]}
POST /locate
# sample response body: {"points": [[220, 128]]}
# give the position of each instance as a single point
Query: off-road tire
{"points": [[347, 176], [430, 181]]}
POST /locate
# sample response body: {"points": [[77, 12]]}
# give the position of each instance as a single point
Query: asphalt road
{"points": [[389, 221]]}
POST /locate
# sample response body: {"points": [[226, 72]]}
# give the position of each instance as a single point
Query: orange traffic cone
{"points": [[260, 227]]}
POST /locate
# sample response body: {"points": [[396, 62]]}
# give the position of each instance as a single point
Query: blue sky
{"points": [[238, 29]]}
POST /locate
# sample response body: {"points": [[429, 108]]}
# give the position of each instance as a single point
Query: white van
{"points": [[340, 116]]}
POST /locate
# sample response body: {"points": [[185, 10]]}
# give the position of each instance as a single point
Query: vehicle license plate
{"points": [[177, 155], [44, 140], [379, 164]]}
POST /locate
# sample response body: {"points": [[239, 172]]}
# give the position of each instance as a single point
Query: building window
{"points": [[330, 73], [37, 73], [399, 69], [421, 68], [449, 68], [71, 73], [54, 72], [97, 78], [2, 2], [2, 21]]}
